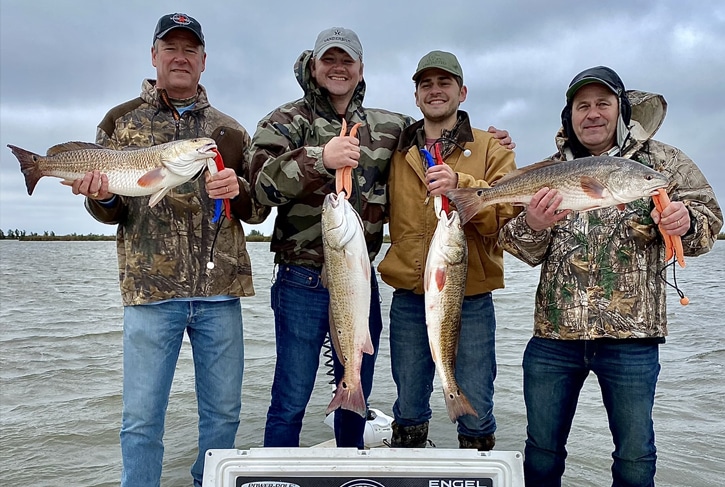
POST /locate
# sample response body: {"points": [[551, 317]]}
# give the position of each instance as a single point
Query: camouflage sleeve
{"points": [[499, 161], [115, 210], [689, 185], [283, 166], [233, 145], [524, 243]]}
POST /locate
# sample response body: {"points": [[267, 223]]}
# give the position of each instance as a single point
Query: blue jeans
{"points": [[300, 303], [414, 370], [152, 336], [554, 372]]}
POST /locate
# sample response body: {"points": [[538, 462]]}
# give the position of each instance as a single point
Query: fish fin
{"points": [[347, 398], [440, 276], [151, 178], [621, 206], [335, 339], [70, 146], [368, 345], [523, 170], [323, 276], [468, 201], [29, 166], [156, 197], [592, 187], [458, 404]]}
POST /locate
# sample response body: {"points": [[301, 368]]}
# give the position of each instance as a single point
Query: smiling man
{"points": [[472, 158], [295, 152], [166, 287]]}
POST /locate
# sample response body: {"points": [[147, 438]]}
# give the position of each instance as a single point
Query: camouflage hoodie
{"points": [[163, 251], [288, 173], [600, 270]]}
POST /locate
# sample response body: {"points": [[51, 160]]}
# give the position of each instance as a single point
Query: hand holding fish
{"points": [[93, 185], [341, 151], [440, 178], [674, 218], [542, 210], [223, 184]]}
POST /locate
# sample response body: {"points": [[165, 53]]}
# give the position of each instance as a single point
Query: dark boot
{"points": [[483, 443], [409, 436]]}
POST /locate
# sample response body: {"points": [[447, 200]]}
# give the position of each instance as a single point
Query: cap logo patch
{"points": [[181, 19]]}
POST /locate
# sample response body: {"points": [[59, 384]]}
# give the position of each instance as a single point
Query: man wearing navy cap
{"points": [[166, 286], [600, 303]]}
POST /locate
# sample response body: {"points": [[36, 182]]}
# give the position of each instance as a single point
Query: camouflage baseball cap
{"points": [[174, 21], [341, 37], [441, 60]]}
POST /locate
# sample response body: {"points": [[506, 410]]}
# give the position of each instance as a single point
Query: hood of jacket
{"points": [[648, 114], [316, 97]]}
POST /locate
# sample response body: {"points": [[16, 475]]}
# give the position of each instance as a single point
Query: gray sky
{"points": [[64, 64]]}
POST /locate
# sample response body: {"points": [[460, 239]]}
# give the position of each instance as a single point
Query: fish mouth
{"points": [[208, 149]]}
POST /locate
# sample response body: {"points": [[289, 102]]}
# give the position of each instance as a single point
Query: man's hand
{"points": [[542, 211], [341, 151], [440, 178], [503, 137], [93, 185], [674, 219], [223, 184]]}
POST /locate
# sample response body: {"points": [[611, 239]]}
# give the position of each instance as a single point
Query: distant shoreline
{"points": [[91, 238]]}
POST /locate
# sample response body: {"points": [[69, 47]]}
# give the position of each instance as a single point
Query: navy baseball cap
{"points": [[176, 21]]}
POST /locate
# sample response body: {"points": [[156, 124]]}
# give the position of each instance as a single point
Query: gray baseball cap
{"points": [[341, 37], [441, 60]]}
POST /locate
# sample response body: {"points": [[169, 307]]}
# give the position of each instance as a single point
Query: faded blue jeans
{"points": [[413, 368], [300, 304], [152, 336], [554, 372]]}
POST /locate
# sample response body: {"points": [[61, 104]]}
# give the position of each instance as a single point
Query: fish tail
{"points": [[468, 201], [348, 398], [29, 166], [457, 404]]}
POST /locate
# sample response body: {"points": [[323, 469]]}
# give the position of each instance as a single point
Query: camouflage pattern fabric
{"points": [[286, 162], [600, 270], [163, 251]]}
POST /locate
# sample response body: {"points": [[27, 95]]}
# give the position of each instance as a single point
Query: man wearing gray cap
{"points": [[470, 158], [600, 303], [295, 152], [163, 251]]}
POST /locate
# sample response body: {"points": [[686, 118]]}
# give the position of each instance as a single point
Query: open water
{"points": [[60, 374]]}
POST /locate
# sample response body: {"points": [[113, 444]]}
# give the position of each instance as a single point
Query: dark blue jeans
{"points": [[300, 304], [413, 368], [554, 373]]}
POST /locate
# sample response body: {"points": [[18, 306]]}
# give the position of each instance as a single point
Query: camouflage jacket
{"points": [[600, 270], [288, 173], [163, 251], [413, 220]]}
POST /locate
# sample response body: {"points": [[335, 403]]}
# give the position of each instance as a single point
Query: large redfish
{"points": [[346, 275], [585, 184], [444, 282], [131, 172]]}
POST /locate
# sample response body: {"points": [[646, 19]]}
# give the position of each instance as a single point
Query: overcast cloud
{"points": [[65, 63]]}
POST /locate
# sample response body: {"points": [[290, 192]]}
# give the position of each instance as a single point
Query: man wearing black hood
{"points": [[600, 303]]}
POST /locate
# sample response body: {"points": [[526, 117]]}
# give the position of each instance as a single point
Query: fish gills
{"points": [[445, 284], [346, 275]]}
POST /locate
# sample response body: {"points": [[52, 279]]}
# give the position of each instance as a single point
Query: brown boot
{"points": [[415, 436], [483, 443]]}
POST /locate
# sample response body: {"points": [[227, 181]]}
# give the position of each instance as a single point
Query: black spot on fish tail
{"points": [[468, 202], [29, 166]]}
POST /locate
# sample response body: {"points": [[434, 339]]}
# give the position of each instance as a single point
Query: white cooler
{"points": [[350, 467]]}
